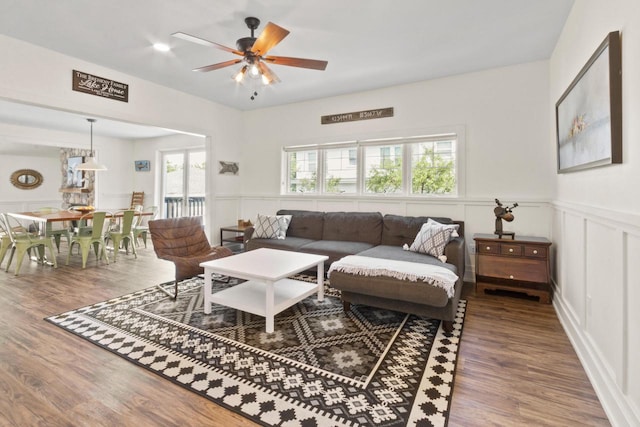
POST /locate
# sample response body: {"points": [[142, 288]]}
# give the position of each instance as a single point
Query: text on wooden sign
{"points": [[357, 115], [99, 86]]}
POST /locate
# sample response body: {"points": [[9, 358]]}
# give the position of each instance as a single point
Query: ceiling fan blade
{"points": [[270, 36], [217, 66], [314, 64], [198, 40], [268, 74]]}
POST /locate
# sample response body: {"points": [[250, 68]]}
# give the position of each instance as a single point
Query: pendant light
{"points": [[90, 164]]}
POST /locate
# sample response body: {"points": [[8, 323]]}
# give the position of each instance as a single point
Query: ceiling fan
{"points": [[254, 53]]}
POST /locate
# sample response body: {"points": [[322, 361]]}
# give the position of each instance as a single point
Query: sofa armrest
{"points": [[248, 232], [455, 255]]}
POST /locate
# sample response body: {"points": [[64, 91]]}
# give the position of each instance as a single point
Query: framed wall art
{"points": [[228, 168], [74, 177], [589, 112], [142, 165]]}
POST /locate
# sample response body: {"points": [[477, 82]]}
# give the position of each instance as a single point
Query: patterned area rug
{"points": [[321, 366]]}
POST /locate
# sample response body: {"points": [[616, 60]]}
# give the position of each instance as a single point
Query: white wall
{"points": [[16, 199], [505, 154], [151, 149], [24, 79], [596, 226]]}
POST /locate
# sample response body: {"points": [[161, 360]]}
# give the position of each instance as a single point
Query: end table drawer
{"points": [[510, 249], [489, 248], [535, 251], [524, 269]]}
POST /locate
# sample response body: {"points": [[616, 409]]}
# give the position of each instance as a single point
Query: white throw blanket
{"points": [[402, 270]]}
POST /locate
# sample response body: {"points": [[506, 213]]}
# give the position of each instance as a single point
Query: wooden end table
{"points": [[520, 264]]}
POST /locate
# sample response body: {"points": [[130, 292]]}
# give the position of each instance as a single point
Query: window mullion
{"points": [[320, 171]]}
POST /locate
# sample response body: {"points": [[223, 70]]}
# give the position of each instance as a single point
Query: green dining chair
{"points": [[5, 240], [57, 230], [95, 239], [141, 229], [123, 235], [22, 241]]}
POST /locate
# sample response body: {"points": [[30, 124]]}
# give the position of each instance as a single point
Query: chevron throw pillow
{"points": [[433, 238], [271, 226]]}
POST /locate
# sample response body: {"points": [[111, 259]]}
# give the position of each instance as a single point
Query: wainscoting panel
{"points": [[27, 206], [604, 320], [631, 332], [572, 285], [597, 295]]}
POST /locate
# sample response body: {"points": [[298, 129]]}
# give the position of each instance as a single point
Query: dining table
{"points": [[45, 221], [49, 218]]}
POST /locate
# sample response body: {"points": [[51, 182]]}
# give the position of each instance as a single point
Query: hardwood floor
{"points": [[516, 365]]}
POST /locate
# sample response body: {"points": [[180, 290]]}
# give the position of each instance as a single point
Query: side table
{"points": [[235, 241], [520, 264]]}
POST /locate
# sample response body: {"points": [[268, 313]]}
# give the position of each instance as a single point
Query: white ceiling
{"points": [[368, 44]]}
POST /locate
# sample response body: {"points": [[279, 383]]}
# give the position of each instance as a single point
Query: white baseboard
{"points": [[615, 404]]}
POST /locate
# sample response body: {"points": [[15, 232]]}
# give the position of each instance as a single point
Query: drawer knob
{"points": [[511, 276], [510, 249], [488, 248], [535, 251]]}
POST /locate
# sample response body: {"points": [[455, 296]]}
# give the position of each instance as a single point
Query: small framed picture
{"points": [[74, 176], [142, 165]]}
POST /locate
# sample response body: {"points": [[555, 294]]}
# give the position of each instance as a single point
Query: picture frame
{"points": [[589, 112], [142, 165], [75, 177]]}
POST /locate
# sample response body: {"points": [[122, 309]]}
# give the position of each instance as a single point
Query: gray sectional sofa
{"points": [[370, 234]]}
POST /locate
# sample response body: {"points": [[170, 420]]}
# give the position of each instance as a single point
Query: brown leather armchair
{"points": [[183, 242]]}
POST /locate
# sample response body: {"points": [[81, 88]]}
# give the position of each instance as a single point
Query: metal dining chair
{"points": [[5, 239], [94, 239], [123, 234], [57, 230], [141, 228], [22, 241]]}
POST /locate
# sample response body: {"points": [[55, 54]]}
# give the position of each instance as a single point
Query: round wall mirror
{"points": [[26, 179]]}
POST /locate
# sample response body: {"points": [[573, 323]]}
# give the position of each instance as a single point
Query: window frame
{"points": [[456, 134]]}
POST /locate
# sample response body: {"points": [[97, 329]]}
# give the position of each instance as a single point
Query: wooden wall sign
{"points": [[99, 86], [357, 115]]}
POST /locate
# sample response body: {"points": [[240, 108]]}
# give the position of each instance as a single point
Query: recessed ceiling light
{"points": [[161, 47]]}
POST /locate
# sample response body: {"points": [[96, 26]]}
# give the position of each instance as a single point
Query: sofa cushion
{"points": [[334, 249], [287, 244], [363, 227], [400, 230], [271, 226], [398, 254], [305, 224]]}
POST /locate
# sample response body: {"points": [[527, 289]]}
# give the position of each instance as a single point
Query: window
{"points": [[302, 171], [353, 157], [340, 172], [383, 171], [433, 167], [420, 165]]}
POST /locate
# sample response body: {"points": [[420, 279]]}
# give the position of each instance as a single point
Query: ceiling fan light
{"points": [[254, 71], [240, 74], [266, 80]]}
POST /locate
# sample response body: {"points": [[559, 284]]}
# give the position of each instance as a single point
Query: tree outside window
{"points": [[383, 165], [432, 172]]}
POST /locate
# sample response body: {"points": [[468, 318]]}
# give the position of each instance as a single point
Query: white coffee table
{"points": [[268, 290]]}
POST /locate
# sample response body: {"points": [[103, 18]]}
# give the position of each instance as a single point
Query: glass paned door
{"points": [[184, 183]]}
